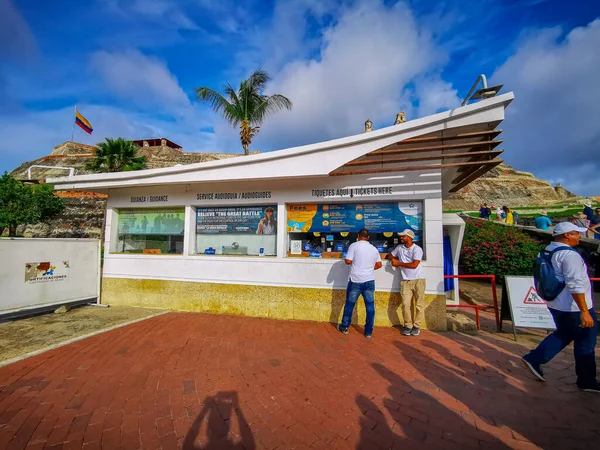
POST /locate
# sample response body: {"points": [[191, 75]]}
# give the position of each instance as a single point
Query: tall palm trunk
{"points": [[246, 134]]}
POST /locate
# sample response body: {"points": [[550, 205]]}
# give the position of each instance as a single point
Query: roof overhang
{"points": [[461, 143]]}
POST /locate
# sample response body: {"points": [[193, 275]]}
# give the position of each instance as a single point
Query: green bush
{"points": [[491, 248]]}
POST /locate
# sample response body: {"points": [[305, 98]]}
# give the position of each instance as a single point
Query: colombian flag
{"points": [[83, 123]]}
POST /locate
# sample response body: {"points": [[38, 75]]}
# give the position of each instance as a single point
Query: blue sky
{"points": [[131, 65]]}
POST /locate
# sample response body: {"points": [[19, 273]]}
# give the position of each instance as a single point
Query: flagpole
{"points": [[73, 130]]}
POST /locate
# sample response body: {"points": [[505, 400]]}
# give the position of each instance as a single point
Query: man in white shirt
{"points": [[408, 256], [572, 312], [363, 259]]}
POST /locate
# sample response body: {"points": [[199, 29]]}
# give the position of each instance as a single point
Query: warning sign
{"points": [[533, 298], [528, 309]]}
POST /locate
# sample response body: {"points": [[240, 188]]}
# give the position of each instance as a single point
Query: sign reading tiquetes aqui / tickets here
{"points": [[527, 308]]}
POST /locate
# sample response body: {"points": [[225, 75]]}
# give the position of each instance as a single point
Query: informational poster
{"points": [[151, 221], [352, 217], [527, 308], [237, 220]]}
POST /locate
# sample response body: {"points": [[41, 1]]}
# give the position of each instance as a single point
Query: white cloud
{"points": [[552, 127], [371, 62], [144, 80]]}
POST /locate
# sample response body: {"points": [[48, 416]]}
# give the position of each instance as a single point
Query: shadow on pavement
{"points": [[420, 419], [487, 378], [216, 418]]}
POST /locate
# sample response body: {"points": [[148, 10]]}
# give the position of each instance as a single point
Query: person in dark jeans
{"points": [[363, 259], [572, 311]]}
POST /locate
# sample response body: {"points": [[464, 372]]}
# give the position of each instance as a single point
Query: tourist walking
{"points": [[363, 259], [572, 311], [580, 220], [588, 211], [595, 224], [499, 214], [407, 256], [485, 212], [542, 222], [508, 215]]}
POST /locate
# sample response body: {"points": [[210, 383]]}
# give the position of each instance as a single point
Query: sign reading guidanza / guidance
{"points": [[237, 220]]}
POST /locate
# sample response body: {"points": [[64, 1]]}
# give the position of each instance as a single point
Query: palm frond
{"points": [[258, 80], [270, 105], [217, 101]]}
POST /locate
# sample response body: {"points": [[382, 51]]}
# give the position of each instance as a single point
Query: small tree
{"points": [[22, 204], [116, 155]]}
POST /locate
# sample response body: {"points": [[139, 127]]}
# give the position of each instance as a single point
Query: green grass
{"points": [[553, 210], [561, 213]]}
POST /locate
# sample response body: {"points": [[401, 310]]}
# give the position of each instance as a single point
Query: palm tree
{"points": [[116, 155], [246, 108]]}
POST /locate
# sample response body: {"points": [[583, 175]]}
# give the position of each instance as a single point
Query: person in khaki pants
{"points": [[408, 257]]}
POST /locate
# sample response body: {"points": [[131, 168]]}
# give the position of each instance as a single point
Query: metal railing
{"points": [[496, 308]]}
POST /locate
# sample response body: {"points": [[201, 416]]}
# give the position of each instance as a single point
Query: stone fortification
{"points": [[83, 216]]}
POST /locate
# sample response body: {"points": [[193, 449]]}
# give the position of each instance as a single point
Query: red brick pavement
{"points": [[197, 381]]}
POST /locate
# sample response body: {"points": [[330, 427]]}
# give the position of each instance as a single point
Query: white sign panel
{"points": [[527, 308], [39, 272]]}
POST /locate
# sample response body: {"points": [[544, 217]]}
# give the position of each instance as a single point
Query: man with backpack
{"points": [[561, 278]]}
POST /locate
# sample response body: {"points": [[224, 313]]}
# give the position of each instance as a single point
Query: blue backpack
{"points": [[544, 275]]}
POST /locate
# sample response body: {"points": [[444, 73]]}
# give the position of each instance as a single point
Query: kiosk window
{"points": [[237, 230], [327, 230], [151, 231]]}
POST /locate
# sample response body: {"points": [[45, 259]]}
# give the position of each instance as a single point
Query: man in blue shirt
{"points": [[588, 211], [595, 224], [484, 212], [542, 222]]}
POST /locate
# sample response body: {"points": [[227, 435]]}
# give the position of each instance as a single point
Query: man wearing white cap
{"points": [[408, 257], [572, 311]]}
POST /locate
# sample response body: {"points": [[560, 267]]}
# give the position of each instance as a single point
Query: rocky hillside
{"points": [[83, 216], [75, 155], [504, 185]]}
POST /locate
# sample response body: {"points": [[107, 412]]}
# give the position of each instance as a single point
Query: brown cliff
{"points": [[504, 185]]}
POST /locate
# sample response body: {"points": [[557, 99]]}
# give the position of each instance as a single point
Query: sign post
{"points": [[527, 308]]}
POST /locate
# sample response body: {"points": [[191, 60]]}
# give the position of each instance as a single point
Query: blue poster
{"points": [[237, 220], [351, 217]]}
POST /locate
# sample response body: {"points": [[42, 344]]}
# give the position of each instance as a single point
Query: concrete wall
{"points": [[38, 272]]}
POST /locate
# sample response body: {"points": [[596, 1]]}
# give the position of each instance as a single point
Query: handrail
{"points": [[494, 295]]}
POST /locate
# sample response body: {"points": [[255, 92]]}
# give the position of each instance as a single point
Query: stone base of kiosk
{"points": [[276, 302]]}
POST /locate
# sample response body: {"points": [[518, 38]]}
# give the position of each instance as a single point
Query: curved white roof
{"points": [[420, 142]]}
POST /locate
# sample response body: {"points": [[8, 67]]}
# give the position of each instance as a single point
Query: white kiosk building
{"points": [[264, 235]]}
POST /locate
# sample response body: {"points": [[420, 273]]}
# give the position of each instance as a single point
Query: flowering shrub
{"points": [[490, 248]]}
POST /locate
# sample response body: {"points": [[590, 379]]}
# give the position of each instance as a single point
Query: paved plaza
{"points": [[199, 381]]}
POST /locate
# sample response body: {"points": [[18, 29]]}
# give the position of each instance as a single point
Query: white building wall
{"points": [[280, 270]]}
